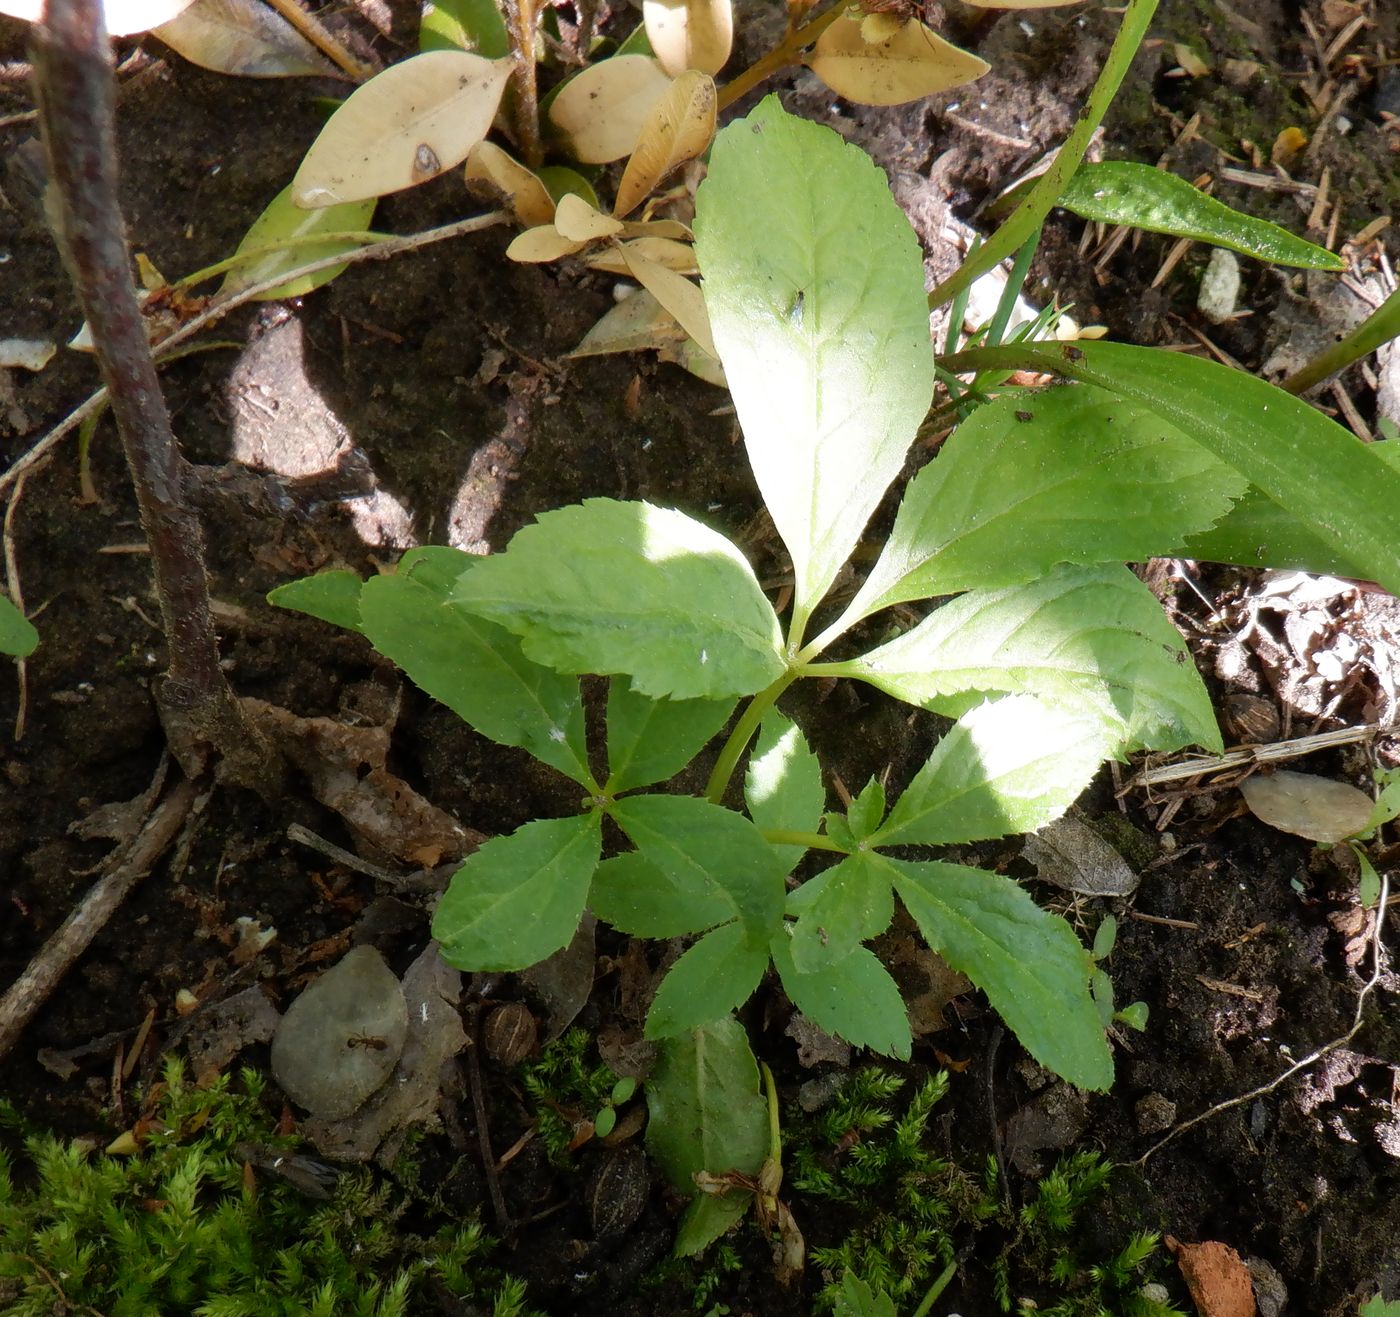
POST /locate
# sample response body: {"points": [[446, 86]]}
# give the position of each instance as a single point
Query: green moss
{"points": [[566, 1089], [907, 1213], [176, 1228]]}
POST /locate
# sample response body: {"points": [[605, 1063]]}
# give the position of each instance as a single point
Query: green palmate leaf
{"points": [[609, 587], [519, 898], [1093, 637], [1257, 532], [701, 847], [1379, 1307], [1031, 480], [652, 740], [1009, 766], [477, 669], [17, 633], [783, 786], [637, 897], [716, 975], [866, 811], [1321, 473], [281, 235], [837, 910], [333, 597], [1120, 192], [817, 307], [1028, 962], [855, 999], [437, 567], [705, 1111]]}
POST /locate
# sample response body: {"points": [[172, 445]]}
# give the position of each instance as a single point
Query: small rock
{"points": [[618, 1190], [510, 1034], [1154, 1113], [340, 1040], [1270, 1293], [1220, 286], [1052, 1120]]}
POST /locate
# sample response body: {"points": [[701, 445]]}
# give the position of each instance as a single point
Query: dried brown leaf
{"points": [[602, 110], [677, 256], [690, 34], [244, 38], [577, 221], [493, 171], [677, 294], [679, 127], [543, 243], [410, 123], [913, 63], [1317, 808]]}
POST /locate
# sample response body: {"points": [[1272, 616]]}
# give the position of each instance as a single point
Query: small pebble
{"points": [[1220, 287], [1154, 1113]]}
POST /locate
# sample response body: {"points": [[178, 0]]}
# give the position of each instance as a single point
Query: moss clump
{"points": [[177, 1229], [566, 1091], [911, 1212]]}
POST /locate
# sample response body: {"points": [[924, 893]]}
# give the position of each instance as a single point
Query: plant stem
{"points": [[290, 243], [73, 80], [1040, 200], [1378, 328], [777, 59], [936, 1289], [316, 33], [521, 16], [742, 734]]}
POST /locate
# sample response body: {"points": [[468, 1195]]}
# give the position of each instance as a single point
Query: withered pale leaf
{"points": [[122, 18], [677, 294], [690, 34], [677, 256], [493, 171], [679, 127], [541, 244], [244, 38], [664, 228], [1317, 808], [404, 126], [1070, 854], [579, 222], [913, 63], [602, 110], [634, 324], [690, 356]]}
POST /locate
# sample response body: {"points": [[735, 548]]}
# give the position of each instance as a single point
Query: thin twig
{"points": [[76, 93], [1377, 948], [483, 1128], [28, 992], [16, 593], [216, 310], [326, 42], [1244, 756]]}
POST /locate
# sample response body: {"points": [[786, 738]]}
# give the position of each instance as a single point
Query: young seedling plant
{"points": [[1051, 655]]}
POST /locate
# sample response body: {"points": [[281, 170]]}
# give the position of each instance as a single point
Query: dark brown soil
{"points": [[444, 371]]}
